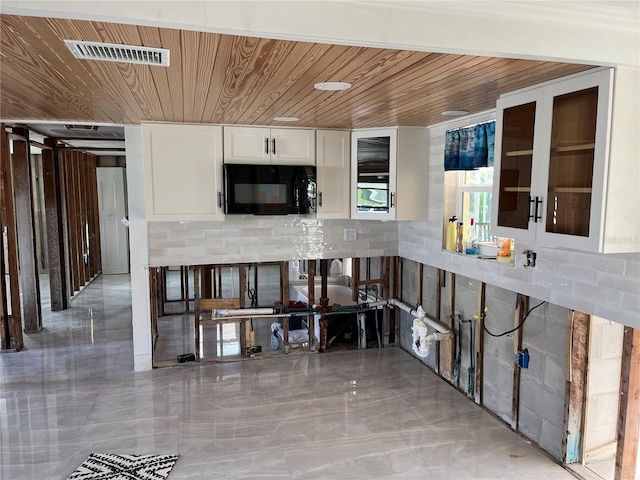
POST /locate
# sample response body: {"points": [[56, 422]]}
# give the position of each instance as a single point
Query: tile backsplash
{"points": [[248, 238]]}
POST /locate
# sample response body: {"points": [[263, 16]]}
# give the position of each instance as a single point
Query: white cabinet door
{"points": [[183, 172], [291, 146], [250, 145], [269, 146], [373, 173], [333, 173], [390, 173], [551, 163]]}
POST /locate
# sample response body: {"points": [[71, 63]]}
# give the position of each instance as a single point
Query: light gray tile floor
{"points": [[341, 415]]}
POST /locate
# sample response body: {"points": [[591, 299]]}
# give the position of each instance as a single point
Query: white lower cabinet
{"points": [[333, 173], [183, 172]]}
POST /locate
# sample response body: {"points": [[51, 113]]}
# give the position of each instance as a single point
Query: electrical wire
{"points": [[515, 328]]}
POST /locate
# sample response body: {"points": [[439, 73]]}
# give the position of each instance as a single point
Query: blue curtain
{"points": [[469, 148]]}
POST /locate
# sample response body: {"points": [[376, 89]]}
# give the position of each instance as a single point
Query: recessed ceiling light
{"points": [[286, 119], [332, 86], [454, 113]]}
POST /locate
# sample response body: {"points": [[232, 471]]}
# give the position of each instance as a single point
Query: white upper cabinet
{"points": [[389, 173], [264, 145], [333, 173], [552, 165], [183, 172]]}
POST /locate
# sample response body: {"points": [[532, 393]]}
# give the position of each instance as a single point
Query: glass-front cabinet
{"points": [[551, 162], [389, 173], [373, 170]]}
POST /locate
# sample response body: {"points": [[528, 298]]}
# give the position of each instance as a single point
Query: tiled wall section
{"points": [[266, 238], [603, 285]]}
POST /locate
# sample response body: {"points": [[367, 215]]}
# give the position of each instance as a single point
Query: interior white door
{"points": [[114, 236]]}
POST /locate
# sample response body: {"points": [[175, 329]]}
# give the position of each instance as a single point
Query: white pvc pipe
{"points": [[419, 313], [243, 311]]}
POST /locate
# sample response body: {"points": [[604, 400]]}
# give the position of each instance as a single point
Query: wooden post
{"points": [[522, 306], [10, 249], [449, 353], [324, 303], [196, 308], [54, 214], [576, 364], [311, 273], [246, 335], [441, 283], [355, 279], [477, 390], [27, 257], [629, 406], [96, 254], [284, 287]]}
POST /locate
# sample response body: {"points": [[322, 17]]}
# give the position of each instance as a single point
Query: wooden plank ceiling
{"points": [[227, 79]]}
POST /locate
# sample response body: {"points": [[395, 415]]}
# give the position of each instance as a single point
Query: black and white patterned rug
{"points": [[108, 466]]}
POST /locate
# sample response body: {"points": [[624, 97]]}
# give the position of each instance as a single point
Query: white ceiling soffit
{"points": [[112, 52]]}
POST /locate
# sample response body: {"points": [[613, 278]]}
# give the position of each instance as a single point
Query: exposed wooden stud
{"points": [[576, 368], [84, 216], [196, 308], [324, 303], [6, 339], [449, 348], [246, 335], [27, 257], [440, 286], [10, 250], [311, 284], [54, 214], [522, 306], [629, 406], [355, 280], [479, 338], [284, 288], [386, 291], [94, 239]]}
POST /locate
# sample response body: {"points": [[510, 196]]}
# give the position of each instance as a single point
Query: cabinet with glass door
{"points": [[389, 173], [551, 162]]}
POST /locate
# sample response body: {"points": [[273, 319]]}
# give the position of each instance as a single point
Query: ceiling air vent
{"points": [[111, 52]]}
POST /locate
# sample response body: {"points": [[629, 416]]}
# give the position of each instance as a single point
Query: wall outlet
{"points": [[350, 234]]}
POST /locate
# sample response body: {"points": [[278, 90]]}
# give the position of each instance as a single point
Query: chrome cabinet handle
{"points": [[273, 150], [266, 146], [220, 199], [320, 199], [531, 214], [392, 197]]}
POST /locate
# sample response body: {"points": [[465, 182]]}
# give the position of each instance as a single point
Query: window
{"points": [[474, 201]]}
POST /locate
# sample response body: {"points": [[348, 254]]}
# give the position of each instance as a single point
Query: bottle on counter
{"points": [[450, 234], [459, 237], [471, 244]]}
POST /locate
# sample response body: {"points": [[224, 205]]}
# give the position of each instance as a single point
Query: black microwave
{"points": [[269, 189]]}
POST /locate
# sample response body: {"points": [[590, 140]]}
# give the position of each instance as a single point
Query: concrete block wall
{"points": [[497, 389], [542, 385]]}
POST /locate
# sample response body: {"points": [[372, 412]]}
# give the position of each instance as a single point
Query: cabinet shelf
{"points": [[381, 174], [575, 148], [518, 153], [571, 190], [517, 189]]}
